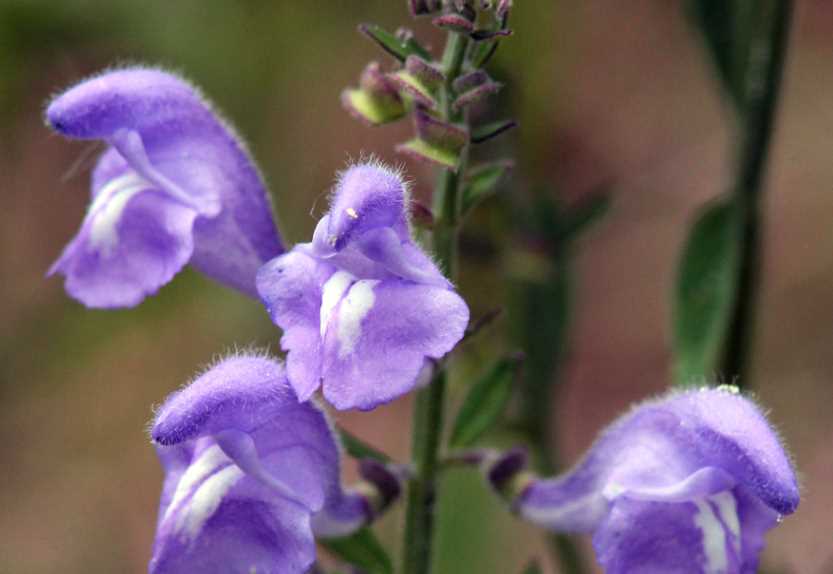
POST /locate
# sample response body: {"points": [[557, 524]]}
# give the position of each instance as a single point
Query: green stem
{"points": [[546, 320], [427, 426], [767, 51]]}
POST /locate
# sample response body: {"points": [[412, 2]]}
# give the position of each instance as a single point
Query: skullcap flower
{"points": [[251, 475], [174, 185], [362, 307], [688, 483]]}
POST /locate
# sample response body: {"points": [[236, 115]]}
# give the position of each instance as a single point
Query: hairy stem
{"points": [[427, 425], [767, 51]]}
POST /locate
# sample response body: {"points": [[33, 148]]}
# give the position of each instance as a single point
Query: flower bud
{"points": [[474, 87], [376, 101], [419, 79]]}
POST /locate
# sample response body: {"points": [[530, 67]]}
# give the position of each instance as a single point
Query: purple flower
{"points": [[362, 307], [175, 185], [688, 483], [251, 475]]}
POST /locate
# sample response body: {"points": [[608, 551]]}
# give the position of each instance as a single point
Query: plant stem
{"points": [[767, 51], [546, 322], [427, 425]]}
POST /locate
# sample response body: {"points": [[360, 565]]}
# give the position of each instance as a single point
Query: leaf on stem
{"points": [[399, 48], [719, 23], [357, 448], [484, 403], [705, 292], [362, 550], [483, 182], [492, 130]]}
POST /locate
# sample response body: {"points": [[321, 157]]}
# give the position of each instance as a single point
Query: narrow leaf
{"points": [[717, 21], [482, 183], [362, 550], [486, 132], [484, 403], [396, 47], [357, 448], [705, 293]]}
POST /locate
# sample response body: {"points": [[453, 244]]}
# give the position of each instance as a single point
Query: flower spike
{"points": [[363, 309], [251, 475], [690, 482], [175, 186]]}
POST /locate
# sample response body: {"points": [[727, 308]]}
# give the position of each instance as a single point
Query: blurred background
{"points": [[620, 94]]}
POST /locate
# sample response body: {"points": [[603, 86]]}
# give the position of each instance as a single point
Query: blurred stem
{"points": [[546, 320], [766, 55], [427, 426]]}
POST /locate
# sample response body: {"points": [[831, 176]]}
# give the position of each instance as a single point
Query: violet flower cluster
{"points": [[687, 483]]}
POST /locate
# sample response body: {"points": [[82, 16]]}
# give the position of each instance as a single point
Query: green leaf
{"points": [[482, 182], [396, 47], [357, 448], [705, 295], [533, 568], [484, 403], [362, 550], [491, 130], [720, 23]]}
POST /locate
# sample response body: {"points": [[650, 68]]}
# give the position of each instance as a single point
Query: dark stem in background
{"points": [[767, 51], [543, 312], [427, 425]]}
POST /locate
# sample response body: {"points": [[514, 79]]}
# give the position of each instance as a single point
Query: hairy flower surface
{"points": [[175, 185], [251, 475], [689, 483], [361, 306]]}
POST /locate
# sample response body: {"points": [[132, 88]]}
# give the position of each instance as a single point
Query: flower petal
{"points": [[380, 335], [290, 287], [220, 520], [666, 538], [134, 239], [161, 131], [686, 483], [247, 468]]}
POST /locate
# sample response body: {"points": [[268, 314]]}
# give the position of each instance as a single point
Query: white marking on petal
{"points": [[332, 292], [728, 509], [208, 462], [714, 538], [354, 308], [206, 500], [352, 213], [107, 207], [574, 514]]}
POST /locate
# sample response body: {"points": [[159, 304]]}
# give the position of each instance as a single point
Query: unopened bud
{"points": [[419, 79], [474, 87], [377, 99]]}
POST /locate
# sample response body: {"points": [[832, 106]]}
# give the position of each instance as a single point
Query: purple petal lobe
{"points": [[362, 307], [163, 136], [693, 480], [248, 469]]}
